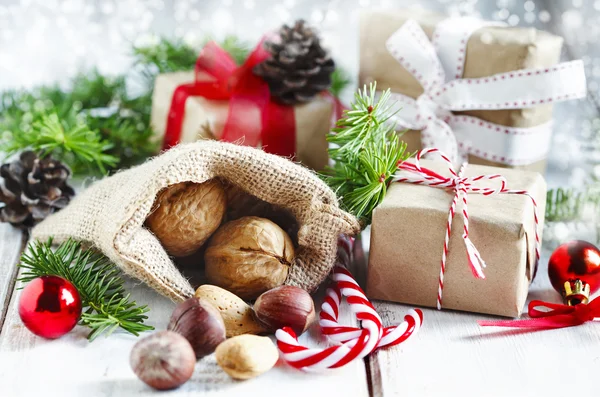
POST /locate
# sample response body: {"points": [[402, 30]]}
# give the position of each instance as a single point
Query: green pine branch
{"points": [[129, 133], [106, 306], [174, 55], [164, 57], [340, 80], [238, 49], [568, 204], [366, 153], [77, 145], [125, 135]]}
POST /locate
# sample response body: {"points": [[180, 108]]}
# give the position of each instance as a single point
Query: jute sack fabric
{"points": [[110, 214]]}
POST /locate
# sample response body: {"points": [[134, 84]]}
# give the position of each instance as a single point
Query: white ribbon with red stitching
{"points": [[462, 186], [438, 67]]}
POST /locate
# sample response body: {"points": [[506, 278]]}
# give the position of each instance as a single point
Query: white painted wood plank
{"points": [[11, 244], [71, 366], [453, 355]]}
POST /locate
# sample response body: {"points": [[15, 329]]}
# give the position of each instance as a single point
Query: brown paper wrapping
{"points": [[490, 50], [407, 238], [205, 119]]}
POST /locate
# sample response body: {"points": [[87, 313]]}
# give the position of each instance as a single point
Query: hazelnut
{"points": [[249, 256], [237, 315], [285, 306], [164, 360], [200, 323], [186, 214], [246, 356]]}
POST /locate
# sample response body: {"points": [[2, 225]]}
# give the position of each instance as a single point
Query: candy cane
{"points": [[355, 343]]}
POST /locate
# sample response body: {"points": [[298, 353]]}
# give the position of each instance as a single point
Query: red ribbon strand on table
{"points": [[557, 315], [252, 117]]}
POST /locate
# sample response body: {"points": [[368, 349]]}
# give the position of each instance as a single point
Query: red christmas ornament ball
{"points": [[50, 306], [575, 260]]}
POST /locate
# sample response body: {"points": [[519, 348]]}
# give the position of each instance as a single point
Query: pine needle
{"points": [[568, 204], [340, 80], [366, 152], [77, 145], [116, 141], [106, 306], [165, 57], [238, 49]]}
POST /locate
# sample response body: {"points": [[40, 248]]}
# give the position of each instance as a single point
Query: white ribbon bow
{"points": [[438, 67]]}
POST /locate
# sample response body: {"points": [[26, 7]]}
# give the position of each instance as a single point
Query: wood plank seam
{"points": [[12, 282], [374, 382]]}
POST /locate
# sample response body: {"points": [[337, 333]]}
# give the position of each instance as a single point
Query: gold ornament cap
{"points": [[576, 292]]}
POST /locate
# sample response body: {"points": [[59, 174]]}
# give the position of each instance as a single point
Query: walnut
{"points": [[186, 214], [249, 256]]}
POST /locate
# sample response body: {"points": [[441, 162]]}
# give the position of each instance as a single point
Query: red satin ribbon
{"points": [[557, 316], [252, 117]]}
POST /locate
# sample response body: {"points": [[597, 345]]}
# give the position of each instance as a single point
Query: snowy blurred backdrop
{"points": [[43, 41]]}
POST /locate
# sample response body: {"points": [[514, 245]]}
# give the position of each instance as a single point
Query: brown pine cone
{"points": [[32, 188], [299, 68]]}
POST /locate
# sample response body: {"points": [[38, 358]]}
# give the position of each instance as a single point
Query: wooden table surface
{"points": [[451, 355]]}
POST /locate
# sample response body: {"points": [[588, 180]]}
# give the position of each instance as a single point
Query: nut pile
{"points": [[200, 325], [247, 255], [247, 259]]}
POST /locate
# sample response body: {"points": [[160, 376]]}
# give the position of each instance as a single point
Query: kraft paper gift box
{"points": [[489, 50], [204, 119], [407, 239]]}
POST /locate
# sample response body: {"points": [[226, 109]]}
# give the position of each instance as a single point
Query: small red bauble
{"points": [[50, 306], [574, 270]]}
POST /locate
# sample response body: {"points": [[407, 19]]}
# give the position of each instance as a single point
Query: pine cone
{"points": [[32, 188], [299, 68]]}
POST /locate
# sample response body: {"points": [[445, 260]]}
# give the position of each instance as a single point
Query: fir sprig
{"points": [[238, 49], [164, 57], [340, 80], [125, 134], [568, 204], [77, 145], [366, 152], [99, 283], [128, 132], [175, 55]]}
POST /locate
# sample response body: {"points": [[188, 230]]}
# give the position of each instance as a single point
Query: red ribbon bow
{"points": [[557, 316], [252, 117]]}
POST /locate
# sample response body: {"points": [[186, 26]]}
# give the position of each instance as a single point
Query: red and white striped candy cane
{"points": [[462, 186], [354, 343]]}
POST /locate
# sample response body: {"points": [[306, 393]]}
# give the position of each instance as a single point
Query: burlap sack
{"points": [[110, 214]]}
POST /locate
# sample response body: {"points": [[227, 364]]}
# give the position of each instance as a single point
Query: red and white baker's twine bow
{"points": [[462, 186], [352, 343]]}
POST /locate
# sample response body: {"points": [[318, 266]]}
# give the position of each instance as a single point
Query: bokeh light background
{"points": [[44, 41]]}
